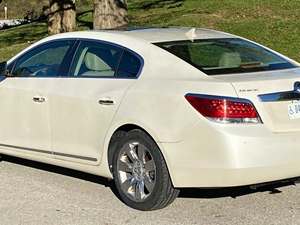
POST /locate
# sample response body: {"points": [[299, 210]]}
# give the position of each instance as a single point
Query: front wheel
{"points": [[140, 173]]}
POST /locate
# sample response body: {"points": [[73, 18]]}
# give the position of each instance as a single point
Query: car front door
{"points": [[24, 114], [83, 105]]}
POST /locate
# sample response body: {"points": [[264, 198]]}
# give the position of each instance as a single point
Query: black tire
{"points": [[161, 192]]}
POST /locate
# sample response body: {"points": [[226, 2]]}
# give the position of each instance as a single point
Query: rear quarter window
{"points": [[130, 65]]}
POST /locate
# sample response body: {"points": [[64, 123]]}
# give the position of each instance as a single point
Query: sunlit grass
{"points": [[275, 23]]}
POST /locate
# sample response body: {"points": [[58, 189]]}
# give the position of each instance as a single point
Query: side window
{"points": [[43, 61], [129, 65], [94, 59]]}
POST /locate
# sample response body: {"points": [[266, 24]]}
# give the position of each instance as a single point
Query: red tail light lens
{"points": [[224, 109]]}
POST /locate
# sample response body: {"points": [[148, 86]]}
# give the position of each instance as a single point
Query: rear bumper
{"points": [[235, 155]]}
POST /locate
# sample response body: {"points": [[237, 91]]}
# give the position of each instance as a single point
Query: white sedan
{"points": [[154, 109]]}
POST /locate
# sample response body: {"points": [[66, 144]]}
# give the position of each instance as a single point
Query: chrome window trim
{"points": [[282, 96], [279, 96], [76, 45]]}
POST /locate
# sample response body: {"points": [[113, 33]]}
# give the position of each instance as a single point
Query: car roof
{"points": [[175, 34], [154, 35], [136, 39]]}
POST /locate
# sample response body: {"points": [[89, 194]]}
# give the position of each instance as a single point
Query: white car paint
{"points": [[198, 152]]}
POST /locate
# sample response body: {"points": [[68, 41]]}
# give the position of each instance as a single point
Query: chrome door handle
{"points": [[39, 99], [106, 102]]}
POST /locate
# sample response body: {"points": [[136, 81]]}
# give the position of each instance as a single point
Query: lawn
{"points": [[275, 23]]}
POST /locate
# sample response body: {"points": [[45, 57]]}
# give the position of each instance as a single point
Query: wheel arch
{"points": [[122, 130]]}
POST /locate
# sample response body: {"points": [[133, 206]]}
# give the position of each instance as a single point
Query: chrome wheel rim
{"points": [[136, 171]]}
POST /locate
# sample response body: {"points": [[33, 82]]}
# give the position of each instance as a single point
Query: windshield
{"points": [[227, 55]]}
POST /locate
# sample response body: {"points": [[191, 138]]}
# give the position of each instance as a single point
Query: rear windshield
{"points": [[226, 56]]}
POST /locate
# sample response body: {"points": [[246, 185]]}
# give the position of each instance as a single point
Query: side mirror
{"points": [[3, 70]]}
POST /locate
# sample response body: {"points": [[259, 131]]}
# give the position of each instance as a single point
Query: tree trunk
{"points": [[61, 16], [110, 14]]}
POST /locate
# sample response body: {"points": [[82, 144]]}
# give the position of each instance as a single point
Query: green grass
{"points": [[15, 39], [274, 23]]}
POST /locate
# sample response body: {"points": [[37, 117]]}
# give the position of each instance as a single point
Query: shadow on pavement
{"points": [[58, 170], [233, 192]]}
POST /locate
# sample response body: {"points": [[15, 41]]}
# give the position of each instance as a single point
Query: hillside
{"points": [[274, 23]]}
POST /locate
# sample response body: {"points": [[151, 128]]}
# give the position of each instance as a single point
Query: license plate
{"points": [[294, 110]]}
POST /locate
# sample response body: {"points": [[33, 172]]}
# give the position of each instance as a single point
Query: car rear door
{"points": [[84, 104], [24, 114]]}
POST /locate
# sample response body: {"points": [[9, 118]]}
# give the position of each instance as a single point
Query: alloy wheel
{"points": [[136, 171]]}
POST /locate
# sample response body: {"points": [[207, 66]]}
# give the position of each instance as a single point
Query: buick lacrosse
{"points": [[155, 110]]}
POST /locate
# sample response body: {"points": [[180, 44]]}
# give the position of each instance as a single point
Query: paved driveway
{"points": [[33, 193]]}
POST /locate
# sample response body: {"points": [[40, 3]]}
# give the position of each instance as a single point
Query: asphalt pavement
{"points": [[34, 193]]}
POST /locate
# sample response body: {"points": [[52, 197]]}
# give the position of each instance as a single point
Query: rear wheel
{"points": [[140, 173]]}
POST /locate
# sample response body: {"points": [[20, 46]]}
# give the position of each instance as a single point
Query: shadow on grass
{"points": [[82, 22], [22, 34], [145, 5], [36, 30]]}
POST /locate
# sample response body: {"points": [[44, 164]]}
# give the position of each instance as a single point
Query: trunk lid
{"points": [[274, 94]]}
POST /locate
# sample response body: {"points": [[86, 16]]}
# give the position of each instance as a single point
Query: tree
{"points": [[61, 16], [110, 14]]}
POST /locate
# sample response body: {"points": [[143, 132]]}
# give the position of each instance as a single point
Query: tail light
{"points": [[224, 109]]}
